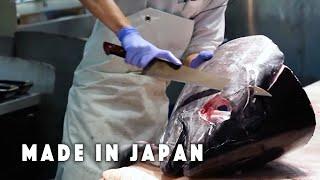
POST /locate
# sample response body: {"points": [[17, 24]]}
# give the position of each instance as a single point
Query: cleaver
{"points": [[165, 70]]}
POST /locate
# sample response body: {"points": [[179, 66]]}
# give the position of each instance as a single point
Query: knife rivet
{"points": [[147, 18]]}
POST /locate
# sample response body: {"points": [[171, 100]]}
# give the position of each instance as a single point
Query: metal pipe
{"points": [[251, 18]]}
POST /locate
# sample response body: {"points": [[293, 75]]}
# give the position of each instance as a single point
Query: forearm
{"points": [[108, 13], [209, 28], [208, 33]]}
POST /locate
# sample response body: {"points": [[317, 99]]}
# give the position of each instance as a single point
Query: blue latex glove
{"points": [[141, 52], [201, 58]]}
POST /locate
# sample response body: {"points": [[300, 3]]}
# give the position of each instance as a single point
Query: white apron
{"points": [[110, 102]]}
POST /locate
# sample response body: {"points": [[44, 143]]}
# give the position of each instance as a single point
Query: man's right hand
{"points": [[141, 52]]}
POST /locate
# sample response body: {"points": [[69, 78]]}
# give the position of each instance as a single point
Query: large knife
{"points": [[168, 71]]}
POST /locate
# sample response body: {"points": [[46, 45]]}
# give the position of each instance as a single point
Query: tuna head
{"points": [[233, 120]]}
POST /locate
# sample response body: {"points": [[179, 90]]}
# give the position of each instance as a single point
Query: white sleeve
{"points": [[209, 27]]}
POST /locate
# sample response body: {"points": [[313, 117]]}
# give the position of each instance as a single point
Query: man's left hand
{"points": [[201, 58]]}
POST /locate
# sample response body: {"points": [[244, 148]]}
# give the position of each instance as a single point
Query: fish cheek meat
{"points": [[239, 130]]}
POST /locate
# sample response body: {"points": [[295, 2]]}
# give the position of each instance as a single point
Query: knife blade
{"points": [[162, 69]]}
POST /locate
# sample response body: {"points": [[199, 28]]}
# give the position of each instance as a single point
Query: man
{"points": [[109, 103]]}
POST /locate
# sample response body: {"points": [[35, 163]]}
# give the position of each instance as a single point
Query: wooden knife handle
{"points": [[112, 49]]}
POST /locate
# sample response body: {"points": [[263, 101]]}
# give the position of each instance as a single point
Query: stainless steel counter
{"points": [[19, 103]]}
